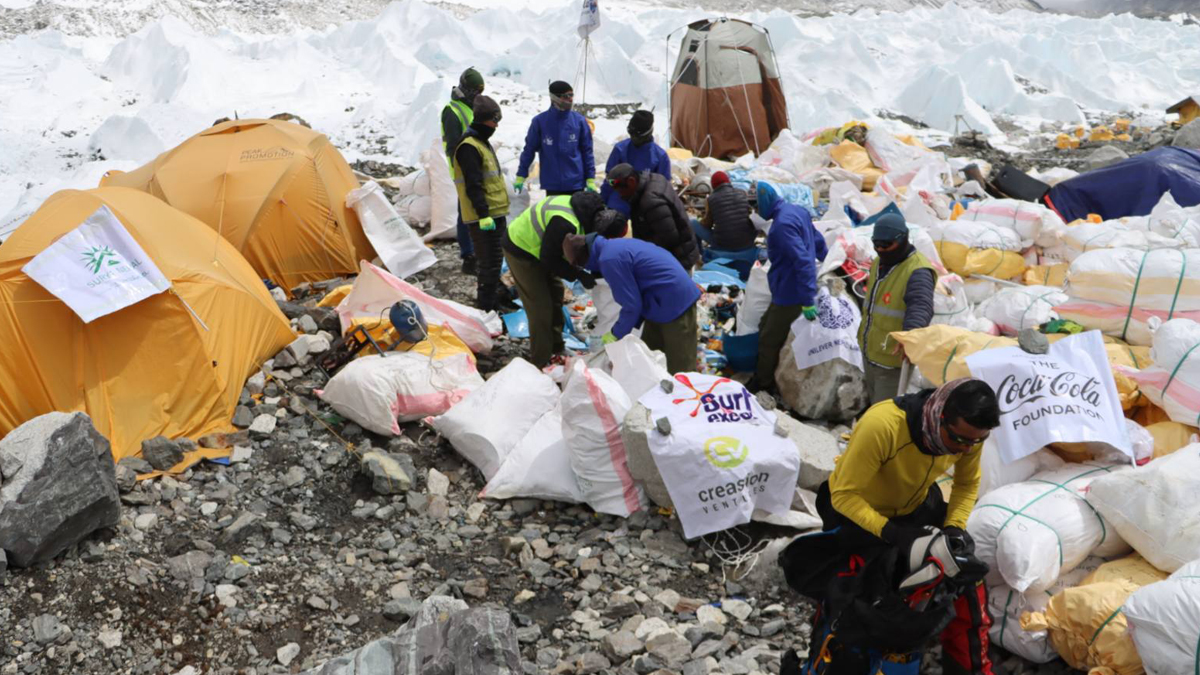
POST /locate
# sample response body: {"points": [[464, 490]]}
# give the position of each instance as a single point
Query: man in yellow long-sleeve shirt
{"points": [[883, 494]]}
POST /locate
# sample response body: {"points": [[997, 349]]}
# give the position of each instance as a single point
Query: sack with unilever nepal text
{"points": [[722, 458]]}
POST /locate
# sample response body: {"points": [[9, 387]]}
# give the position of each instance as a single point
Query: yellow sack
{"points": [[853, 157], [1046, 275], [442, 342], [940, 352], [679, 153], [1101, 134], [1170, 436], [993, 262], [1085, 623], [334, 297]]}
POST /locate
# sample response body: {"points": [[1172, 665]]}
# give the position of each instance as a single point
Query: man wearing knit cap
{"points": [[899, 297], [657, 213], [483, 198], [562, 140], [726, 224], [639, 151], [793, 246], [456, 117]]}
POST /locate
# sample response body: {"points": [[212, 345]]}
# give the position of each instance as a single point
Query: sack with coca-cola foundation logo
{"points": [[1065, 396]]}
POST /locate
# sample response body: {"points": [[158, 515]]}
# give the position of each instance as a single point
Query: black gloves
{"points": [[961, 543], [586, 278]]}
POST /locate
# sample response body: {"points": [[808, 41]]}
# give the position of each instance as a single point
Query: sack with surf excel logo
{"points": [[1065, 396], [722, 458]]}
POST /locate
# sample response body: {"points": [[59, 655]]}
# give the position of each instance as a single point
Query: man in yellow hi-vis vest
{"points": [[482, 198], [456, 118]]}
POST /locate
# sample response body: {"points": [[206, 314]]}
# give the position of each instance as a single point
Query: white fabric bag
{"points": [[486, 425], [607, 308], [1006, 607], [539, 467], [1155, 507], [1164, 620], [756, 302], [399, 247], [1173, 381], [1031, 533], [636, 367], [1067, 395], [444, 208], [834, 334], [593, 408], [722, 460], [378, 392]]}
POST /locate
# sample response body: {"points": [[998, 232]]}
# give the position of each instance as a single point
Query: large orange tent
{"points": [[150, 368], [275, 189]]}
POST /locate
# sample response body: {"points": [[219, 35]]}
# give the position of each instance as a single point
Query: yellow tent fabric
{"points": [[149, 369], [276, 190]]}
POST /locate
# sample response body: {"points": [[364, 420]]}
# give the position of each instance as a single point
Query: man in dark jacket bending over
{"points": [[899, 297], [658, 215], [726, 224]]}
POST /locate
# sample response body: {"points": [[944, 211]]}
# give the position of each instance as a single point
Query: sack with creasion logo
{"points": [[834, 335], [722, 458], [1065, 396]]}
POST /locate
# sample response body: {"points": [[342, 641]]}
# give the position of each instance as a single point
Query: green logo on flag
{"points": [[98, 257]]}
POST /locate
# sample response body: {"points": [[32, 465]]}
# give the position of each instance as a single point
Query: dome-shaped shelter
{"points": [[151, 368], [275, 189]]}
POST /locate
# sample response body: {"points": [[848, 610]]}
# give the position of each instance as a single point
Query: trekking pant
{"points": [[542, 295], [965, 640], [677, 339], [882, 383], [488, 254], [773, 330], [463, 233]]}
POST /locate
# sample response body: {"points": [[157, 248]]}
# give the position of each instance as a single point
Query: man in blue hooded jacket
{"points": [[793, 246], [652, 289], [639, 151], [562, 140]]}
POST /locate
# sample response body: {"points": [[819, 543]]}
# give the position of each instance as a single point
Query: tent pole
{"points": [[587, 47], [190, 310]]}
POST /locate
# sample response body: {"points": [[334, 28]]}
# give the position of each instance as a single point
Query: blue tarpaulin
{"points": [[1131, 187]]}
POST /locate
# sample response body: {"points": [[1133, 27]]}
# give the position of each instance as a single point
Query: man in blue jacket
{"points": [[793, 246], [651, 287], [639, 151], [562, 140]]}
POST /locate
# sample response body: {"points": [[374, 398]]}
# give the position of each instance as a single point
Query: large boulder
{"points": [[1189, 136], [816, 447], [1104, 156], [59, 485], [444, 637]]}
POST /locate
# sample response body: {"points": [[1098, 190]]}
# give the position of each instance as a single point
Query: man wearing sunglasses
{"points": [[899, 297], [562, 140], [883, 493]]}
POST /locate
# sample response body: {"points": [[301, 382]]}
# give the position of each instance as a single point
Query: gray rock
{"points": [[390, 473], [695, 668], [739, 609], [242, 417], [287, 653], [476, 588], [529, 634], [161, 452], [3, 562], [1032, 341], [591, 662], [524, 507], [59, 485], [818, 449], [308, 324], [1189, 136], [444, 636], [46, 629], [401, 609], [190, 565], [137, 464], [126, 478], [242, 527], [672, 648], [263, 426], [621, 645], [772, 628], [704, 632], [294, 476], [647, 664], [256, 383], [284, 360], [1104, 156]]}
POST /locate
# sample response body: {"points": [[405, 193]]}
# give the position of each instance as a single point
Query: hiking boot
{"points": [[468, 265]]}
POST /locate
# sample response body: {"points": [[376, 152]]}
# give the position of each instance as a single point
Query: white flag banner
{"points": [[97, 268], [833, 335], [1065, 396], [589, 18], [722, 459]]}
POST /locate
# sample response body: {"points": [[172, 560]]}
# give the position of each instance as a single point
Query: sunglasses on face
{"points": [[963, 440], [615, 182]]}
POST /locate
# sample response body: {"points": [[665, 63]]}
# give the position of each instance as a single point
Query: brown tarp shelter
{"points": [[276, 190], [726, 95]]}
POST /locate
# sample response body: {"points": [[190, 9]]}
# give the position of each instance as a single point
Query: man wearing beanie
{"points": [[562, 140], [657, 213], [639, 151], [899, 297], [793, 246], [456, 117], [651, 287], [726, 224], [482, 198]]}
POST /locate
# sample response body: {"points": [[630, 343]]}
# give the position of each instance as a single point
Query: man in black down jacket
{"points": [[726, 224], [658, 215]]}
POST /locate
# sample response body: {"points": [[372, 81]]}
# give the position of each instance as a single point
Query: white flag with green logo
{"points": [[97, 268]]}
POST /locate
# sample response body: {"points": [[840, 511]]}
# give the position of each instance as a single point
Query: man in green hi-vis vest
{"points": [[899, 297], [456, 118], [482, 199]]}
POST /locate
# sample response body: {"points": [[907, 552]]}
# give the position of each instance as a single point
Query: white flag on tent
{"points": [[589, 18], [97, 268]]}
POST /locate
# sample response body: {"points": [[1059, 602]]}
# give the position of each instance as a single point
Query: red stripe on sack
{"points": [[616, 446]]}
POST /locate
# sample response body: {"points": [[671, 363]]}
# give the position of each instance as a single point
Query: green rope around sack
{"points": [[1106, 622], [1136, 282], [1004, 623], [1178, 284], [1176, 370], [1057, 486], [1041, 298]]}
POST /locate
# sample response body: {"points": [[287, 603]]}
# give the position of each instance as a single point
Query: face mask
{"points": [[640, 139], [563, 102]]}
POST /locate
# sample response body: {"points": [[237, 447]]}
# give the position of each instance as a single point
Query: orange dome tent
{"points": [[276, 190], [150, 368]]}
